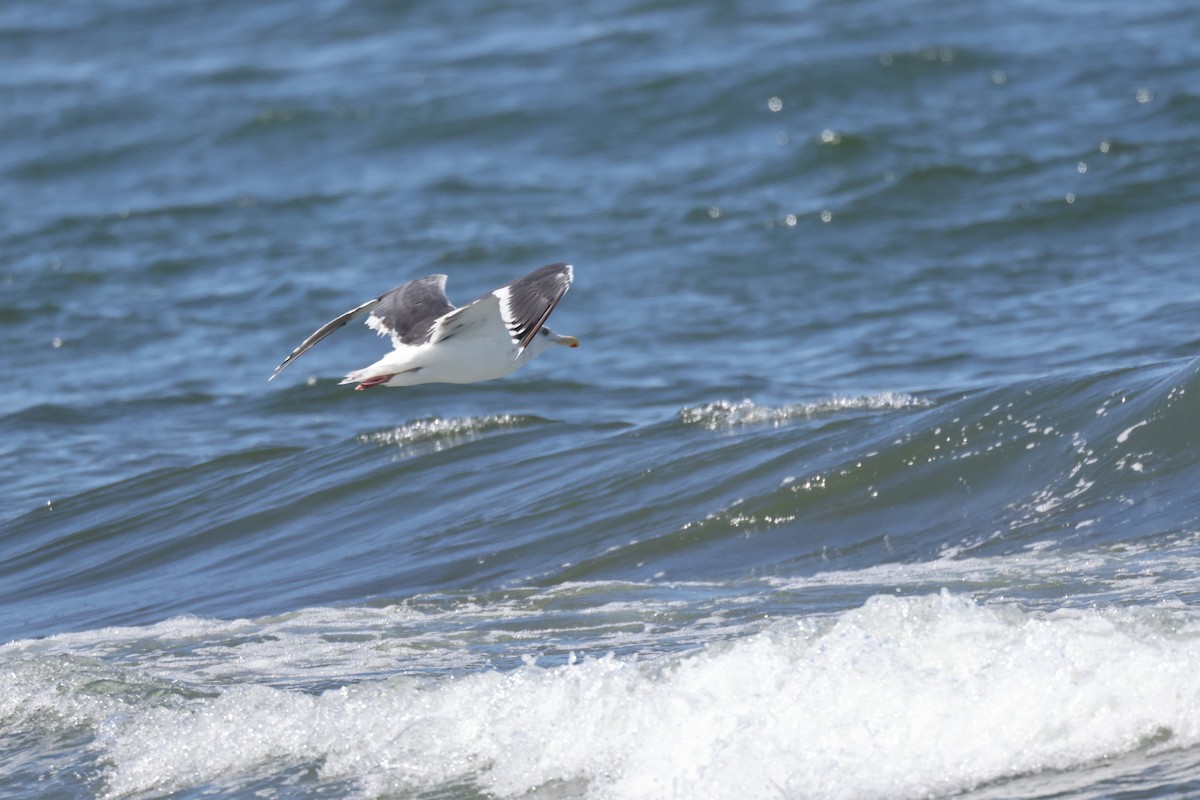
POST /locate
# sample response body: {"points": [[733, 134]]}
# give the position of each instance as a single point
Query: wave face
{"points": [[874, 475]]}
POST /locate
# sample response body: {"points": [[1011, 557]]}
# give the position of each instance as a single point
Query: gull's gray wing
{"points": [[408, 312]]}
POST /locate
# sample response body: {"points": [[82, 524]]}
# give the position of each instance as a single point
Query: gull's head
{"points": [[555, 338]]}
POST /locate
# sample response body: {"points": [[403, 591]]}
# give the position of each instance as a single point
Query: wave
{"points": [[718, 492]]}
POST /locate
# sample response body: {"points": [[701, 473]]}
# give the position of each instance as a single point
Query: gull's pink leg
{"points": [[375, 381]]}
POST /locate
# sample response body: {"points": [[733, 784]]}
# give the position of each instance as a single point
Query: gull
{"points": [[435, 342]]}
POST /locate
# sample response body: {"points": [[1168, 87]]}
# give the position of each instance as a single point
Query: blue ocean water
{"points": [[874, 475]]}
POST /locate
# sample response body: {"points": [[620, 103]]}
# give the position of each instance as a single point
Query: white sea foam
{"points": [[1123, 436], [437, 433], [901, 697], [725, 413]]}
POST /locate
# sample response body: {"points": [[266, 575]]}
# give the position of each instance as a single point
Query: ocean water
{"points": [[875, 474]]}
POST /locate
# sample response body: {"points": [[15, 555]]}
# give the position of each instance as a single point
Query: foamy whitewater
{"points": [[905, 696]]}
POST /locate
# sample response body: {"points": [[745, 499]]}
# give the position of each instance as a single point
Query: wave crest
{"points": [[445, 432], [725, 413]]}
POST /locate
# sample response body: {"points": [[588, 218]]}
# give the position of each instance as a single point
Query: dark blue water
{"points": [[874, 475]]}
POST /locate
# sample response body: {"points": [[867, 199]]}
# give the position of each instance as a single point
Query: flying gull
{"points": [[434, 342]]}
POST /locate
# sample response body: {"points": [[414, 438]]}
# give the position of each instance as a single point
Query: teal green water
{"points": [[874, 475]]}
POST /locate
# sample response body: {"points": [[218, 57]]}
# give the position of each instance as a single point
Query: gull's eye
{"points": [[544, 332]]}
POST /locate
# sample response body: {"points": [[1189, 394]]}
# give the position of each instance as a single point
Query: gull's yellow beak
{"points": [[569, 341]]}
